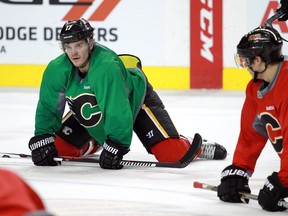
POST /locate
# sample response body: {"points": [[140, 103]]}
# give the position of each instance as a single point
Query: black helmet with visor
{"points": [[263, 41]]}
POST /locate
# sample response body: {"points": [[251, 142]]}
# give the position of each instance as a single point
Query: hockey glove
{"points": [[111, 155], [43, 150], [234, 179], [283, 7], [272, 192]]}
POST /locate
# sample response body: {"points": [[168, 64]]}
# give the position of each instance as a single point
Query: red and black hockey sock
{"points": [[66, 149], [170, 150]]}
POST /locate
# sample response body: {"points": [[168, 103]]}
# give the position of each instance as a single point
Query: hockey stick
{"points": [[183, 162], [269, 21], [243, 194], [97, 160]]}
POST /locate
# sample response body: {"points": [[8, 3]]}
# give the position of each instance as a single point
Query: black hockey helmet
{"points": [[76, 30], [263, 41]]}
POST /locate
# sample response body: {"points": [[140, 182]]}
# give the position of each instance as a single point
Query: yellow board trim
{"points": [[159, 77], [31, 76], [168, 77], [235, 79], [21, 75]]}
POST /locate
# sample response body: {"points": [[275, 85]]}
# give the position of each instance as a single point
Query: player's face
{"points": [[78, 52], [258, 66]]}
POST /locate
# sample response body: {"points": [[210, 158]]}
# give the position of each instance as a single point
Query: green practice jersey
{"points": [[106, 101]]}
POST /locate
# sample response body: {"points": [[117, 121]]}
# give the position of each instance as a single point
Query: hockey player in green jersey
{"points": [[109, 97]]}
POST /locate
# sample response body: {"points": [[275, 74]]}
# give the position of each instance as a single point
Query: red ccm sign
{"points": [[206, 63]]}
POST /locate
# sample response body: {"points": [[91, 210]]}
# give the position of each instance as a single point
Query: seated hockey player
{"points": [[263, 118], [109, 97]]}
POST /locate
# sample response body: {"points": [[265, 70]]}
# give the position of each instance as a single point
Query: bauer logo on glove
{"points": [[235, 172]]}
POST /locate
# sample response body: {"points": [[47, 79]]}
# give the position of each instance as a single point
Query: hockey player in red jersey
{"points": [[264, 117], [17, 198], [109, 97]]}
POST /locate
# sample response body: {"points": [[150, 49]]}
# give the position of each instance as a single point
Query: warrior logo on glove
{"points": [[41, 143], [110, 149]]}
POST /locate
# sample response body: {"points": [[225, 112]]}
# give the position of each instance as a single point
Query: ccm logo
{"points": [[79, 8], [206, 34]]}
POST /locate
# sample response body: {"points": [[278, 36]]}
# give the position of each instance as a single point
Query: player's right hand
{"points": [[234, 179], [43, 150]]}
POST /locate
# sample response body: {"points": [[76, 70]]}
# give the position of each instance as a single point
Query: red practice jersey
{"points": [[17, 197], [265, 116]]}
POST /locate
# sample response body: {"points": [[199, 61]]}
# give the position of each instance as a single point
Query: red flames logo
{"points": [[100, 14]]}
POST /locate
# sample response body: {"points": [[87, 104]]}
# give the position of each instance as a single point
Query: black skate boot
{"points": [[212, 151]]}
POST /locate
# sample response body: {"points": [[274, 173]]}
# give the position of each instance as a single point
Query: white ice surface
{"points": [[89, 190]]}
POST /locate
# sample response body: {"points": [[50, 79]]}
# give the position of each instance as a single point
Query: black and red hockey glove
{"points": [[234, 179], [43, 150], [272, 192], [112, 155]]}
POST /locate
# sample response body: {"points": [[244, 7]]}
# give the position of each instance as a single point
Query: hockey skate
{"points": [[212, 151]]}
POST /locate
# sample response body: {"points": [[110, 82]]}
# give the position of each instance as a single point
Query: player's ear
{"points": [[91, 44], [257, 59]]}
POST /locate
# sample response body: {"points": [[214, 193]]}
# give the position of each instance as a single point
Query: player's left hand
{"points": [[111, 155], [272, 192]]}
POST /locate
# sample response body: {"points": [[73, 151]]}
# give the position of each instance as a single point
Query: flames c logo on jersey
{"points": [[85, 109], [273, 130]]}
